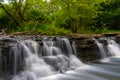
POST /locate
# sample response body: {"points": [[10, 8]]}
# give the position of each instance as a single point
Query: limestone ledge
{"points": [[86, 48]]}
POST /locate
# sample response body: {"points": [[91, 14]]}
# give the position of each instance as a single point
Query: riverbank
{"points": [[73, 35]]}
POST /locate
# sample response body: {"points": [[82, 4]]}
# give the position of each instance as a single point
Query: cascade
{"points": [[101, 49], [49, 58], [59, 53], [74, 48], [56, 55], [30, 60], [113, 48]]}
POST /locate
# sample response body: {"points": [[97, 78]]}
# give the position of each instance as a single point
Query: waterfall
{"points": [[35, 66], [101, 49], [15, 56], [113, 48], [74, 48], [54, 55], [32, 59], [58, 53], [67, 46]]}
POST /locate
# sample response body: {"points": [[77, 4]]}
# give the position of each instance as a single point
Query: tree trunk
{"points": [[37, 22], [2, 6]]}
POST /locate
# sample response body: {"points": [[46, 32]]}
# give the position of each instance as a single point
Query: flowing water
{"points": [[55, 59], [101, 49]]}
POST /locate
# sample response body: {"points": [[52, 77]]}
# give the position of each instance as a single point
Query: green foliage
{"points": [[60, 16], [52, 30], [44, 29], [5, 21], [109, 15]]}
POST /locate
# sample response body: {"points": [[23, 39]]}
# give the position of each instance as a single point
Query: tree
{"points": [[8, 13], [75, 14], [109, 15]]}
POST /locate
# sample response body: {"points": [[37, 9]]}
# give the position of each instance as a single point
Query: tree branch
{"points": [[2, 6]]}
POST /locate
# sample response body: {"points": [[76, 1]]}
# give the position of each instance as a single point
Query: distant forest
{"points": [[54, 17]]}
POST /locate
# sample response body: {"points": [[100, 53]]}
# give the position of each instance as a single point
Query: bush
{"points": [[51, 30]]}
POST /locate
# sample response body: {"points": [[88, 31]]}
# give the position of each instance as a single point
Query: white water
{"points": [[15, 60], [74, 48], [113, 48], [101, 49], [52, 59], [92, 71], [35, 66]]}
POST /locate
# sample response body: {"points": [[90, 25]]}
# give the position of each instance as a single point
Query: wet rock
{"points": [[110, 34], [86, 49]]}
